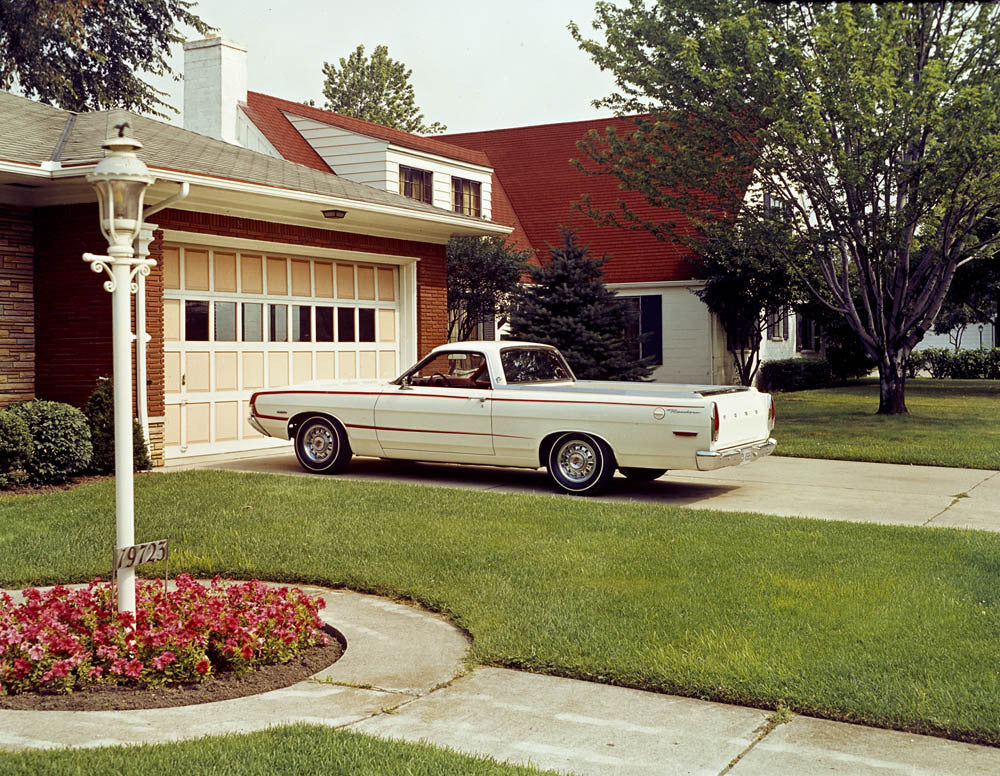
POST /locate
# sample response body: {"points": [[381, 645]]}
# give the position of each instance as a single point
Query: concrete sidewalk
{"points": [[791, 487], [402, 677]]}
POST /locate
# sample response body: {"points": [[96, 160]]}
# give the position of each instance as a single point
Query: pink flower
{"points": [[36, 652], [163, 660], [203, 666]]}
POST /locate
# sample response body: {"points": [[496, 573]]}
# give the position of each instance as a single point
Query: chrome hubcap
{"points": [[319, 444], [577, 461]]}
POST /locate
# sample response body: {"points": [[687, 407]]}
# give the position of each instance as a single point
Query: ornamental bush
{"points": [[63, 639], [15, 442], [60, 440], [938, 362], [100, 412], [794, 374]]}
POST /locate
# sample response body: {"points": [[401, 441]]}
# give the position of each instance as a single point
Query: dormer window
{"points": [[415, 184], [465, 195]]}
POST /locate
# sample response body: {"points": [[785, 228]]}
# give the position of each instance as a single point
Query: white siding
{"points": [[688, 333], [355, 157], [442, 172], [376, 162]]}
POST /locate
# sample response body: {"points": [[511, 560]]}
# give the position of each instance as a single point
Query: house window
{"points": [[775, 207], [777, 325], [807, 334], [465, 195], [644, 327], [415, 184]]}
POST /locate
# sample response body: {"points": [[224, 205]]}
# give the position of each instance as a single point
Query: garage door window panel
{"points": [[277, 322], [301, 323], [253, 322], [324, 324], [345, 324], [225, 321], [196, 320]]}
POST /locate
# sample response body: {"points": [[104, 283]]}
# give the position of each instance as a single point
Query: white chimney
{"points": [[215, 80]]}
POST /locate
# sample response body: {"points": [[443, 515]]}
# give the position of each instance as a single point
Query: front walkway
{"points": [[402, 677]]}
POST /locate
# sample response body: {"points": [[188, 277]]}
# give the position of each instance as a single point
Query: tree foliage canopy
{"points": [[89, 54], [742, 285], [376, 89], [567, 305], [483, 272], [878, 123]]}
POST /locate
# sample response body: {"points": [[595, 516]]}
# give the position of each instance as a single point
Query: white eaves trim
{"points": [[446, 160], [292, 195]]}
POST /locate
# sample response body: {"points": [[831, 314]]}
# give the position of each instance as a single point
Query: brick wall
{"points": [[17, 307], [72, 309]]}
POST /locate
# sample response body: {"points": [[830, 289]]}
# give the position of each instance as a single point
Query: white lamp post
{"points": [[121, 179]]}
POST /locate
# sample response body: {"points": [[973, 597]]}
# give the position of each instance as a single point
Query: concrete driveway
{"points": [[791, 487]]}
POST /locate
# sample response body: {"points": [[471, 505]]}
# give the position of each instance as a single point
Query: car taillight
{"points": [[770, 415], [715, 422]]}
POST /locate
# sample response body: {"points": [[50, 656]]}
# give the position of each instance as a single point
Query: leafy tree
{"points": [[376, 89], [742, 284], [567, 305], [482, 274], [973, 298], [89, 54], [879, 124]]}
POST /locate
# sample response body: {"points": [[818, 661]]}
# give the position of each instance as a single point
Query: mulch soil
{"points": [[220, 687]]}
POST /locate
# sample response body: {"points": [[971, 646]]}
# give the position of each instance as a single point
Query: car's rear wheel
{"points": [[321, 445], [641, 475], [580, 464]]}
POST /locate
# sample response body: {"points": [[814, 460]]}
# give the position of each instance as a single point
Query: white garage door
{"points": [[235, 322]]}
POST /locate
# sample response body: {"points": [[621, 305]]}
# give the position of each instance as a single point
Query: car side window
{"points": [[532, 365], [456, 369]]}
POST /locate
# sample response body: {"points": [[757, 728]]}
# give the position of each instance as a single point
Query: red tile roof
{"points": [[532, 163], [270, 109]]}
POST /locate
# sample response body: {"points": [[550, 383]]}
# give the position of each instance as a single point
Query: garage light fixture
{"points": [[334, 213]]}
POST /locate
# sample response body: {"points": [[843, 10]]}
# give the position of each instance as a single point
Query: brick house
{"points": [[269, 273], [520, 177]]}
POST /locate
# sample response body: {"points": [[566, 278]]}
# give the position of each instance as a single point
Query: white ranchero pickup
{"points": [[518, 404]]}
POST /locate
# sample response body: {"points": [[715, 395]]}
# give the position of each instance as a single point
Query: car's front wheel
{"points": [[321, 445], [580, 464], [641, 475]]}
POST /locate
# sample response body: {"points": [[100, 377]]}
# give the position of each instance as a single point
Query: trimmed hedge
{"points": [[15, 449], [60, 440], [982, 363], [794, 374], [100, 412]]}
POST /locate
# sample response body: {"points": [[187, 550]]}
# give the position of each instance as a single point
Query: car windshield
{"points": [[533, 365]]}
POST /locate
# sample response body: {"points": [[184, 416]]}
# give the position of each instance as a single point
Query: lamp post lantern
{"points": [[121, 179]]}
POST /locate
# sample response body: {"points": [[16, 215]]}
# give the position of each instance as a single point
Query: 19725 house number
{"points": [[137, 554]]}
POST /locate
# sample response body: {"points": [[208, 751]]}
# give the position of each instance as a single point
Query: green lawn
{"points": [[951, 423], [890, 626], [287, 751]]}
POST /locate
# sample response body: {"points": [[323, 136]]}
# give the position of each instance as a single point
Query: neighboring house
{"points": [[974, 336], [269, 273], [520, 177]]}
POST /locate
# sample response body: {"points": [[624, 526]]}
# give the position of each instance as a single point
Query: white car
{"points": [[518, 404]]}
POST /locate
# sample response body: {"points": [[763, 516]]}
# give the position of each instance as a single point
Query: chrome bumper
{"points": [[709, 460], [257, 426]]}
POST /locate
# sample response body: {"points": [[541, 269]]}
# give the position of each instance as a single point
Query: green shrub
{"points": [[916, 363], [794, 374], [100, 412], [60, 440], [991, 364], [15, 442], [968, 364], [938, 361], [848, 360]]}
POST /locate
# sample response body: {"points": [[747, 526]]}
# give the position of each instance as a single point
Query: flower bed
{"points": [[63, 639]]}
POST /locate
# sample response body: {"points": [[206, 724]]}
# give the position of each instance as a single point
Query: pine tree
{"points": [[376, 89], [567, 305]]}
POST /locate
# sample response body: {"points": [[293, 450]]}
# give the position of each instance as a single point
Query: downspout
{"points": [[142, 337]]}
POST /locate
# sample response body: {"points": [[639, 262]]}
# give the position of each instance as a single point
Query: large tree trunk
{"points": [[892, 387]]}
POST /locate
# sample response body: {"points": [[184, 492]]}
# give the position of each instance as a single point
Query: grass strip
{"points": [[950, 423], [284, 751], [889, 626]]}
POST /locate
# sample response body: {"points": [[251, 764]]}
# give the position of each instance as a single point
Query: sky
{"points": [[476, 65]]}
